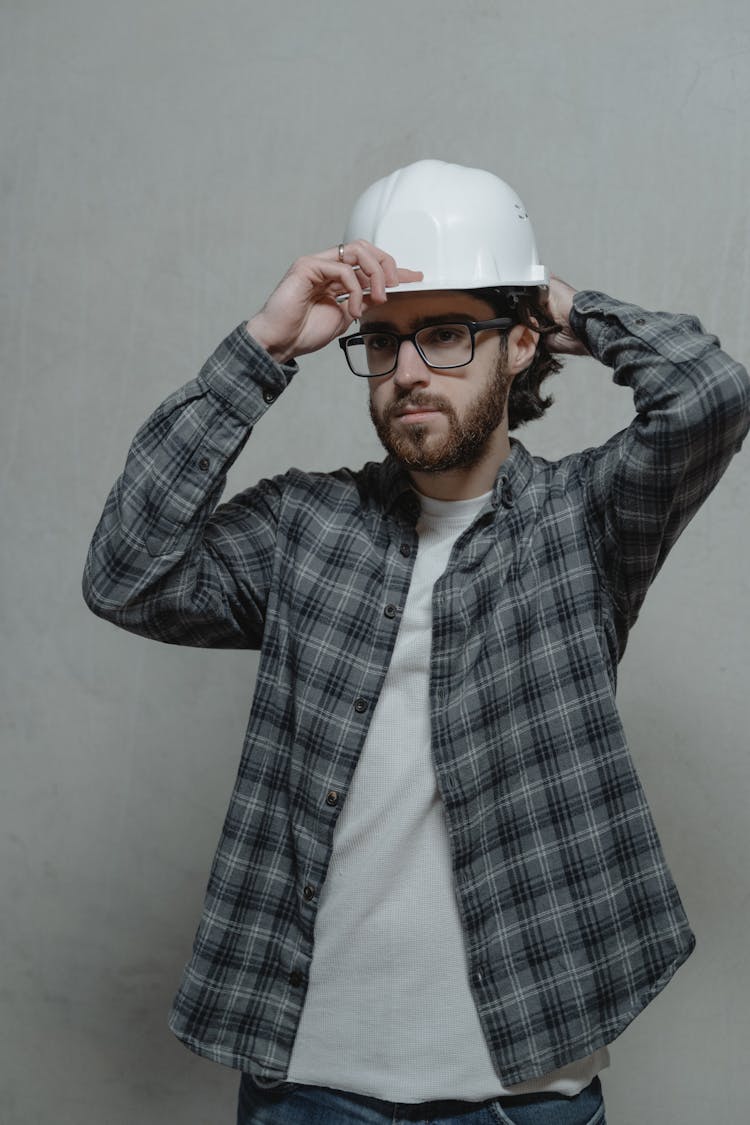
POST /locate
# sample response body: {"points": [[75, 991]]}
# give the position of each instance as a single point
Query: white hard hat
{"points": [[464, 228]]}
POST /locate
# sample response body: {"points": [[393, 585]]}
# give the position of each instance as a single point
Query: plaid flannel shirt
{"points": [[571, 919]]}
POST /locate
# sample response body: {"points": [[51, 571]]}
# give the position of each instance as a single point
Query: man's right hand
{"points": [[303, 313]]}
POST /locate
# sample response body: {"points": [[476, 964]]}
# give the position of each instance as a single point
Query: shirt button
{"points": [[640, 320], [390, 611], [332, 798], [360, 705], [309, 892], [295, 978], [204, 464], [269, 397], [405, 550]]}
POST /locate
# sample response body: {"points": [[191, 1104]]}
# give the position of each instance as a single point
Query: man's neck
{"points": [[464, 484]]}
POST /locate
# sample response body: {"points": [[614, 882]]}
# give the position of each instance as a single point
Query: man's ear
{"points": [[522, 342]]}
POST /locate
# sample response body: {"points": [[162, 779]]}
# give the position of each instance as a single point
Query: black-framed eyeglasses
{"points": [[440, 345]]}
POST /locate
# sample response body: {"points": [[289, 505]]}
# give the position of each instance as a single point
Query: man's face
{"points": [[434, 420]]}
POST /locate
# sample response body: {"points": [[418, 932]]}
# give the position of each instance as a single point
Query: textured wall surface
{"points": [[162, 163]]}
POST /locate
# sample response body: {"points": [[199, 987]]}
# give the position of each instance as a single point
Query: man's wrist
{"points": [[256, 328]]}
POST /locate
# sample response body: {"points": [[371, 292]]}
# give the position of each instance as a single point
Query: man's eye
{"points": [[379, 343], [443, 335]]}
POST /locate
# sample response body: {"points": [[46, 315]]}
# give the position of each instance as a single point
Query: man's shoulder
{"points": [[544, 476], [375, 484]]}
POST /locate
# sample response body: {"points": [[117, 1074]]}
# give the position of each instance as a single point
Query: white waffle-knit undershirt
{"points": [[389, 1011]]}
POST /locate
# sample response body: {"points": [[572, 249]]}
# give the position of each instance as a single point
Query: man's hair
{"points": [[525, 401]]}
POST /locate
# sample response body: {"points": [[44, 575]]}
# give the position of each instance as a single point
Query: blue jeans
{"points": [[317, 1105]]}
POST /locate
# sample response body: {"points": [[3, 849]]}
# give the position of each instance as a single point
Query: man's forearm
{"points": [[148, 555], [692, 405]]}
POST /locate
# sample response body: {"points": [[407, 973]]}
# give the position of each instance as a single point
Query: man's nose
{"points": [[411, 369]]}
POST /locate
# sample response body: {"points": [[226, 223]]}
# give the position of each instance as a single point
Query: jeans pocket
{"points": [[586, 1108]]}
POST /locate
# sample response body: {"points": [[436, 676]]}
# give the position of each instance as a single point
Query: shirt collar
{"points": [[398, 495]]}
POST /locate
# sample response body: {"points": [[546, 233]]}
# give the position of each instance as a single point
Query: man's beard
{"points": [[467, 439]]}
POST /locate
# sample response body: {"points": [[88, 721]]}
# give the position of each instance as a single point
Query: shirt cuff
{"points": [[243, 375]]}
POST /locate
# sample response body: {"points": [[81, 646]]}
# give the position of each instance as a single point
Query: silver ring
{"points": [[341, 251]]}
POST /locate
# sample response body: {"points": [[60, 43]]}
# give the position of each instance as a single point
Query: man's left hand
{"points": [[558, 302]]}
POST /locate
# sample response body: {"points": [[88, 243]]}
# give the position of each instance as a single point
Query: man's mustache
{"points": [[418, 399]]}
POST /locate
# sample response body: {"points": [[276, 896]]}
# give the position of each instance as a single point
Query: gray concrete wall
{"points": [[162, 163]]}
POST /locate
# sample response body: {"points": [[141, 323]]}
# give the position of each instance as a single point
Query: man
{"points": [[439, 892]]}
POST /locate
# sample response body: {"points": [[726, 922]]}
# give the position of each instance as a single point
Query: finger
{"points": [[350, 252], [340, 276], [354, 286], [346, 252], [373, 261], [377, 269], [404, 275]]}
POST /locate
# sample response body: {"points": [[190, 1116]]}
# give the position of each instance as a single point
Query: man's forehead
{"points": [[410, 310]]}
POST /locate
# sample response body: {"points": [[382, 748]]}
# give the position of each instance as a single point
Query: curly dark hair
{"points": [[525, 401]]}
